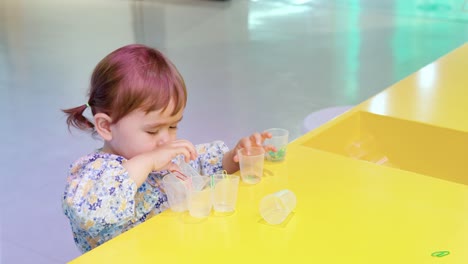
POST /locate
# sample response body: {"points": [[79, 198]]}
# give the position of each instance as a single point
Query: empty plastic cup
{"points": [[198, 181], [225, 192], [199, 202], [251, 164], [276, 207], [279, 139], [176, 191]]}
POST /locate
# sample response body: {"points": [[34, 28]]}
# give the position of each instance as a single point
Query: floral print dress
{"points": [[101, 201]]}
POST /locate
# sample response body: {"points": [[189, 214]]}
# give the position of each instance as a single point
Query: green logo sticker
{"points": [[440, 254]]}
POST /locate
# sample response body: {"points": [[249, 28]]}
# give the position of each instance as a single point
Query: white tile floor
{"points": [[248, 65]]}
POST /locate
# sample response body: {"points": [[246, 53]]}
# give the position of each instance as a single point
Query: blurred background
{"points": [[248, 64]]}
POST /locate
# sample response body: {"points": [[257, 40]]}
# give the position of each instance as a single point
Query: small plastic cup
{"points": [[198, 181], [276, 207], [225, 192], [188, 170], [199, 202], [176, 191], [251, 164], [279, 139]]}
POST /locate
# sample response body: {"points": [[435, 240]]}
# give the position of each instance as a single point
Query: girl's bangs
{"points": [[158, 94]]}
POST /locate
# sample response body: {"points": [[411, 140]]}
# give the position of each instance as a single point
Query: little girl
{"points": [[137, 98]]}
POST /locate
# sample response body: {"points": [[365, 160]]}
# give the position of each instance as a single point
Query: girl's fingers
{"points": [[184, 152], [257, 139], [244, 143], [270, 148], [187, 159], [266, 135], [191, 153]]}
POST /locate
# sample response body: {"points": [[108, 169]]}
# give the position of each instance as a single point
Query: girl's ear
{"points": [[102, 124]]}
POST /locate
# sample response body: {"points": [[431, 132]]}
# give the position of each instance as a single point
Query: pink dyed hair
{"points": [[131, 77]]}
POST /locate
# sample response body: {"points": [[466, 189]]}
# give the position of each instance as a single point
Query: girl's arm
{"points": [[138, 168]]}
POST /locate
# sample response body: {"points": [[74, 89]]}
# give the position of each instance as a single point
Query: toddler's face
{"points": [[140, 132]]}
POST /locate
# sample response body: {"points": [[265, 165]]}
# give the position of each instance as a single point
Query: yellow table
{"points": [[384, 183]]}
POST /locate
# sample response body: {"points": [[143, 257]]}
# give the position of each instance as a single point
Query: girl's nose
{"points": [[163, 138]]}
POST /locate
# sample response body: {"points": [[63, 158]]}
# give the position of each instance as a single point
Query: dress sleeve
{"points": [[100, 195], [210, 157]]}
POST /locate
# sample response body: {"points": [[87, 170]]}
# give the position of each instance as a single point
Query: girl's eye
{"points": [[152, 132], [173, 127]]}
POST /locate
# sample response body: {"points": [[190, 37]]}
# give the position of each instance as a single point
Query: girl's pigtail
{"points": [[75, 118]]}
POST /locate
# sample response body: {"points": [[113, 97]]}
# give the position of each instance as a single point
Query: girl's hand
{"points": [[162, 157], [141, 165], [254, 140]]}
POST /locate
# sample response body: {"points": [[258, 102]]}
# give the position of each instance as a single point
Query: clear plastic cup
{"points": [[279, 139], [251, 164], [276, 207], [198, 181], [188, 170], [225, 192], [176, 191], [199, 202]]}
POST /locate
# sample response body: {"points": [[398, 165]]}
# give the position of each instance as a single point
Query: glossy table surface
{"points": [[348, 210]]}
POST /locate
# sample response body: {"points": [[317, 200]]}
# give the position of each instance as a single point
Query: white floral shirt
{"points": [[101, 201]]}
